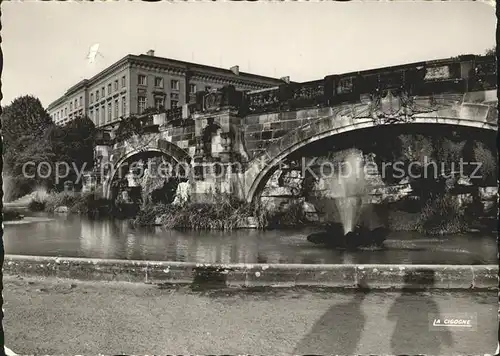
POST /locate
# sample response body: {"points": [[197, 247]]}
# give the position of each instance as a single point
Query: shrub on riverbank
{"points": [[292, 216], [399, 220], [225, 213], [77, 203], [441, 215]]}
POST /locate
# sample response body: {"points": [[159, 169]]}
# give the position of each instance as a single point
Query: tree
{"points": [[74, 144], [34, 145], [24, 124], [491, 51], [24, 121]]}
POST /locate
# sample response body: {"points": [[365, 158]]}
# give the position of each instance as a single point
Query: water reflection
{"points": [[74, 236]]}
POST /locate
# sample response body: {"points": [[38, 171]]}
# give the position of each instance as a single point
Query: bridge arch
{"points": [[162, 147], [260, 168]]}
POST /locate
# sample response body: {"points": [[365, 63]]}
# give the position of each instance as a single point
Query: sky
{"points": [[45, 44]]}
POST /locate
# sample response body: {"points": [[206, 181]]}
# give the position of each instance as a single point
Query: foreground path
{"points": [[61, 316]]}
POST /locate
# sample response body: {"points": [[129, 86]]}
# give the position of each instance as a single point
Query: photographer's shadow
{"points": [[338, 331], [413, 312]]}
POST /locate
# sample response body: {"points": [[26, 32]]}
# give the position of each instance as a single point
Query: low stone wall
{"points": [[255, 275]]}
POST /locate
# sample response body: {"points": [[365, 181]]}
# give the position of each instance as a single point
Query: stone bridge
{"points": [[232, 142]]}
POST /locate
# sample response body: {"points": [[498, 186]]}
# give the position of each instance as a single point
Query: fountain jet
{"points": [[348, 190]]}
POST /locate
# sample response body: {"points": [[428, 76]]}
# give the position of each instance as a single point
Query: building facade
{"points": [[136, 83]]}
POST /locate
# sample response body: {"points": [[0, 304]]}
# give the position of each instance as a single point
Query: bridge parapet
{"points": [[463, 74]]}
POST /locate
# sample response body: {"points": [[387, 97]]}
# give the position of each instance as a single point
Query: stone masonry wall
{"points": [[262, 129]]}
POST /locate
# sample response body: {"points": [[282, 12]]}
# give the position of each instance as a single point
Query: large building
{"points": [[136, 83]]}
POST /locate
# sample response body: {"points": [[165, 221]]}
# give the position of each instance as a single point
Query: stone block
{"points": [[253, 136], [259, 276], [273, 117], [166, 273], [187, 136], [252, 120], [277, 125], [254, 128], [338, 276], [264, 118], [292, 125], [267, 135], [279, 133], [306, 114], [322, 112], [288, 115], [485, 277]]}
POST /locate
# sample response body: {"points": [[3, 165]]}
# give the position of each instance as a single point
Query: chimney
{"points": [[151, 52], [235, 70], [286, 79]]}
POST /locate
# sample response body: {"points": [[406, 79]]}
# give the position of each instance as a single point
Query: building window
{"points": [[116, 109], [142, 104], [76, 103], [97, 116], [192, 88], [173, 104], [141, 79], [159, 103], [116, 85], [70, 106], [92, 116], [123, 82], [103, 115], [124, 107], [109, 112], [81, 101], [97, 95], [65, 111], [109, 88], [159, 82], [174, 84], [103, 93], [91, 98]]}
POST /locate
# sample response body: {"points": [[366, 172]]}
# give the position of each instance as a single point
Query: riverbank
{"points": [[11, 214], [58, 316], [257, 275], [440, 216]]}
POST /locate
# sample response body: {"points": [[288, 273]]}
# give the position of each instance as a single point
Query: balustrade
{"points": [[263, 101]]}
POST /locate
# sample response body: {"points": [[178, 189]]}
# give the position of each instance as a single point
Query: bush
{"points": [[291, 216], [441, 215], [55, 200], [36, 205], [403, 221], [225, 213], [84, 203]]}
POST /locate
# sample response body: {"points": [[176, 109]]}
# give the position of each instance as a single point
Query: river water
{"points": [[76, 236]]}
